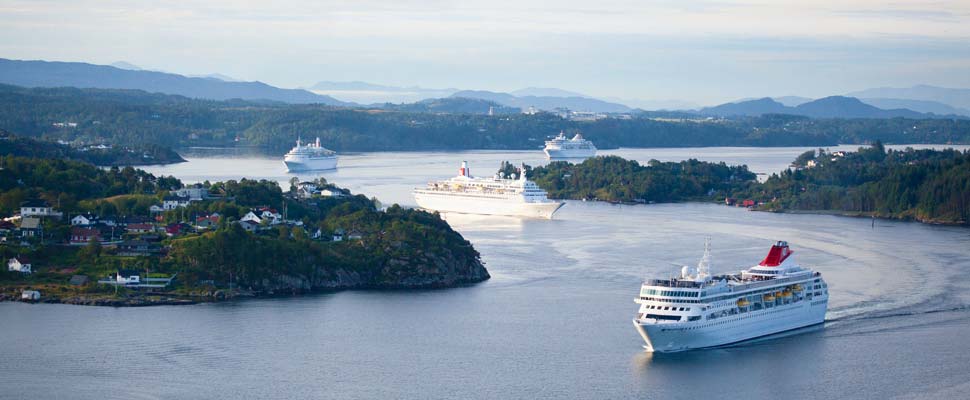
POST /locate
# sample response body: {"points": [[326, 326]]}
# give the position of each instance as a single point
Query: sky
{"points": [[703, 51]]}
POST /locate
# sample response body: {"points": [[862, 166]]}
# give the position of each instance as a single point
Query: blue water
{"points": [[553, 322]]}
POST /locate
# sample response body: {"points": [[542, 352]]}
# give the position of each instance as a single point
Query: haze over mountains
{"points": [[915, 102]]}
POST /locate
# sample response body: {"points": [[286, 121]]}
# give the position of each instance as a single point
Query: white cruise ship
{"points": [[577, 147], [699, 310], [497, 195], [310, 157]]}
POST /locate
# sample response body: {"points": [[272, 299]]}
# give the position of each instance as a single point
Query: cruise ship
{"points": [[497, 195], [310, 157], [577, 147], [698, 310]]}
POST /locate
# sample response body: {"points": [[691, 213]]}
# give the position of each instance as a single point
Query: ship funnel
{"points": [[318, 141], [522, 172], [463, 171]]}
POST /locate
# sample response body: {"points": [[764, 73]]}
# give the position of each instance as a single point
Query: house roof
{"points": [[140, 226], [175, 198], [79, 231], [79, 279], [21, 259], [34, 203], [30, 223], [128, 272]]}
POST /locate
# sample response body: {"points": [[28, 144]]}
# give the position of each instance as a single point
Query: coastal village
{"points": [[41, 228]]}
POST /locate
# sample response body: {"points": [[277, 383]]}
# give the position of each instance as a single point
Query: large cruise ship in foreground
{"points": [[577, 147], [514, 196], [310, 157], [699, 310]]}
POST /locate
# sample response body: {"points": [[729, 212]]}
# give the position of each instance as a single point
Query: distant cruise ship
{"points": [[514, 196], [310, 157], [577, 147], [700, 310]]}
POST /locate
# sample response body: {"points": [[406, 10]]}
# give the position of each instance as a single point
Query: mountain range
{"points": [[827, 107], [83, 75], [545, 103]]}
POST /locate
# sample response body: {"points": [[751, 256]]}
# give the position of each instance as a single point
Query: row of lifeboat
{"points": [[769, 297]]}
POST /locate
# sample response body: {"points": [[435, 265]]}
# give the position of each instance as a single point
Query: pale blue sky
{"points": [[702, 51]]}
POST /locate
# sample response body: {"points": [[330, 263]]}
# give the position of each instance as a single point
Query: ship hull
{"points": [[680, 336], [485, 206], [294, 164], [569, 153]]}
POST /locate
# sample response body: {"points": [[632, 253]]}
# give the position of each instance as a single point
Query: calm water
{"points": [[553, 322]]}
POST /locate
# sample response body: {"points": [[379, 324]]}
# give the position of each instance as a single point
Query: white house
{"points": [[156, 209], [31, 295], [331, 193], [37, 208], [19, 264], [268, 213], [128, 277], [173, 202], [194, 193], [83, 220], [251, 216]]}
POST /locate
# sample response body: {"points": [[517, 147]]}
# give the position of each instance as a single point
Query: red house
{"points": [[748, 203], [81, 235]]}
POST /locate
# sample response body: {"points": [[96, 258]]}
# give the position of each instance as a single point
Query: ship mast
{"points": [[704, 265]]}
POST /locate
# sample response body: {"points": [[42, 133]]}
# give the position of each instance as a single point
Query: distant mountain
{"points": [[747, 108], [925, 106], [369, 93], [218, 77], [454, 105], [545, 92], [959, 98], [547, 103], [654, 105], [850, 107], [82, 75], [791, 101], [828, 107]]}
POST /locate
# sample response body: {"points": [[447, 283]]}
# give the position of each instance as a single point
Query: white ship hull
{"points": [[680, 336], [569, 153], [446, 202], [309, 164]]}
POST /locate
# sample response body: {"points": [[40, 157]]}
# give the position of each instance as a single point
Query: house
{"points": [[172, 202], [249, 225], [7, 227], [140, 228], [156, 209], [176, 229], [38, 208], [30, 295], [19, 264], [128, 277], [748, 203], [355, 235], [81, 235], [332, 193], [272, 215], [207, 221], [252, 217], [79, 280], [338, 235], [194, 192], [31, 227], [84, 220], [730, 201]]}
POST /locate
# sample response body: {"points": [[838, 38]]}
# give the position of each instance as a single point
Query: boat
{"points": [[700, 310], [310, 157], [497, 195], [561, 147]]}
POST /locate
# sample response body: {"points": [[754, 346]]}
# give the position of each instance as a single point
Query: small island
{"points": [[931, 186], [100, 154], [75, 233]]}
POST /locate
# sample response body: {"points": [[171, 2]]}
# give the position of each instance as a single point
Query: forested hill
{"points": [[925, 185], [130, 117], [101, 155]]}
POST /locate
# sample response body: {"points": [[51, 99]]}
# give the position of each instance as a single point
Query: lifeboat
{"points": [[769, 297], [786, 293], [797, 287], [743, 303]]}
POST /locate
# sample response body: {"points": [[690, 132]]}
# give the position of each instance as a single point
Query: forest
{"points": [[137, 118]]}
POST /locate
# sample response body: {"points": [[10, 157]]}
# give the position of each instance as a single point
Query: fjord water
{"points": [[553, 322]]}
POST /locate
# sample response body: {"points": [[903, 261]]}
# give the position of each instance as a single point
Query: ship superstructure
{"points": [[309, 157], [496, 195], [701, 310], [577, 147]]}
